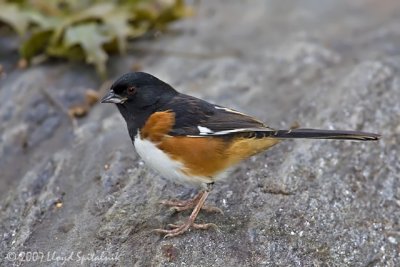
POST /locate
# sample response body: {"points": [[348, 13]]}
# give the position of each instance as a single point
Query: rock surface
{"points": [[74, 188]]}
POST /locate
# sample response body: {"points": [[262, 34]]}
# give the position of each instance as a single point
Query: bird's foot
{"points": [[178, 229], [198, 203]]}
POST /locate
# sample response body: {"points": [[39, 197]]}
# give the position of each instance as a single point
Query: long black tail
{"points": [[323, 134]]}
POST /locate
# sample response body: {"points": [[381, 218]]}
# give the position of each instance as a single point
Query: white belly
{"points": [[162, 163]]}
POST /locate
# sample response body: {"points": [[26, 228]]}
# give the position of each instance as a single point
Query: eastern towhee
{"points": [[191, 141]]}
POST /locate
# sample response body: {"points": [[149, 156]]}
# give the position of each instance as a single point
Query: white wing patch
{"points": [[204, 130], [229, 110], [241, 130], [225, 132]]}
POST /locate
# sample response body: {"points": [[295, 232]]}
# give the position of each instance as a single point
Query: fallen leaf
{"points": [[78, 111], [92, 97], [11, 15], [85, 30], [91, 38], [22, 64], [35, 44]]}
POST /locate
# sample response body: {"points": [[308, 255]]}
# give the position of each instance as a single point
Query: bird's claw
{"points": [[178, 229]]}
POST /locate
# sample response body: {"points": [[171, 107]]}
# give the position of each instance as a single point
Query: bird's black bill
{"points": [[112, 97]]}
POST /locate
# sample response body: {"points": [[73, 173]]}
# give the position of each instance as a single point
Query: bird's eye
{"points": [[131, 90]]}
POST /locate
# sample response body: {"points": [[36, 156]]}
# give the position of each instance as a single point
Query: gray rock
{"points": [[69, 190]]}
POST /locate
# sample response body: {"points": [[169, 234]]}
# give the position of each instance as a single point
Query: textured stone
{"points": [[77, 186]]}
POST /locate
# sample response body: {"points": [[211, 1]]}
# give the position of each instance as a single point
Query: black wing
{"points": [[196, 117]]}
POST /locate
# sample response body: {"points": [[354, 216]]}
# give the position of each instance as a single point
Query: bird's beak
{"points": [[112, 97]]}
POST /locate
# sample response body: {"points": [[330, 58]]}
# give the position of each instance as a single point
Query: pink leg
{"points": [[198, 202], [181, 205]]}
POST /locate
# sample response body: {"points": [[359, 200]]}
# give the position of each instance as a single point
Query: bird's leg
{"points": [[181, 205], [181, 228]]}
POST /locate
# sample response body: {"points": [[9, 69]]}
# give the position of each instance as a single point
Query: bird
{"points": [[193, 142]]}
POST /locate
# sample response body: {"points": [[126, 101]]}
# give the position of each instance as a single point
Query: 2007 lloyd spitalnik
{"points": [[53, 256]]}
